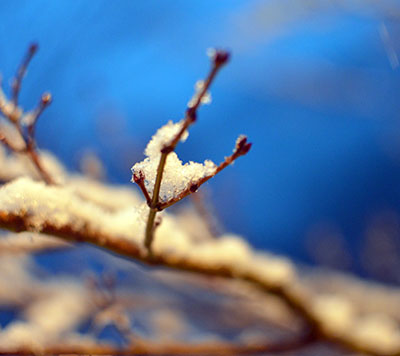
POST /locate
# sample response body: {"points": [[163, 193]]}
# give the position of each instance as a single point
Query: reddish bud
{"points": [[246, 148], [221, 57], [191, 114], [46, 99], [241, 141], [193, 188], [33, 48], [167, 149], [242, 146], [138, 177]]}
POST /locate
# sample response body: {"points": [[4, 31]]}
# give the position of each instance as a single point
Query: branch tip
{"points": [[21, 71], [46, 99], [138, 177], [33, 48], [221, 57], [242, 146]]}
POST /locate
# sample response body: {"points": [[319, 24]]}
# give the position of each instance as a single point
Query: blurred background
{"points": [[313, 83]]}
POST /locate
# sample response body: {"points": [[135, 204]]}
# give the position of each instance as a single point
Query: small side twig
{"points": [[24, 123], [16, 85], [138, 178], [206, 211], [242, 147]]}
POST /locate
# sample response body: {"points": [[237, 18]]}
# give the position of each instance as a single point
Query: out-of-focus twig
{"points": [[24, 124]]}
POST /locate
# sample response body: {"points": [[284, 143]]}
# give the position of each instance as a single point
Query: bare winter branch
{"points": [[151, 348]]}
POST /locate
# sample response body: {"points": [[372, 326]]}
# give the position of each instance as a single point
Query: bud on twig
{"points": [[46, 99]]}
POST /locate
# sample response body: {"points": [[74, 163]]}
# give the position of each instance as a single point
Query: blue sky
{"points": [[311, 85]]}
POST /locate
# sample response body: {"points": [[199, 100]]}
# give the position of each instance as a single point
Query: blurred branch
{"points": [[207, 213], [29, 243], [152, 348], [287, 293], [18, 119]]}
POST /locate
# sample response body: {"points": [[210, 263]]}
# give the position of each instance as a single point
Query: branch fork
{"points": [[218, 59]]}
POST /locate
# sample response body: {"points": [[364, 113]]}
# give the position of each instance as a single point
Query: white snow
{"points": [[41, 204], [16, 165], [339, 314], [177, 176], [60, 206]]}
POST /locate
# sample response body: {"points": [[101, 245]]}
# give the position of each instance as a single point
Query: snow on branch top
{"points": [[177, 176]]}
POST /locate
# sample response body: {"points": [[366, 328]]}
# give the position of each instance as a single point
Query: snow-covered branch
{"points": [[32, 206]]}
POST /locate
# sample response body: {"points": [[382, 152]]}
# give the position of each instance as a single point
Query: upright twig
{"points": [[24, 123], [206, 211], [218, 59]]}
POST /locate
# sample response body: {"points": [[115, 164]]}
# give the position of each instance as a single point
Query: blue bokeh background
{"points": [[314, 84]]}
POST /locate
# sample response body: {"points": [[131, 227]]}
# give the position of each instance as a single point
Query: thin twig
{"points": [[138, 178], [218, 60], [16, 85], [154, 202], [207, 213], [44, 102]]}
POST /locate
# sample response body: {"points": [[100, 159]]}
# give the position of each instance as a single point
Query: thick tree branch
{"points": [[153, 348], [132, 251], [77, 224]]}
